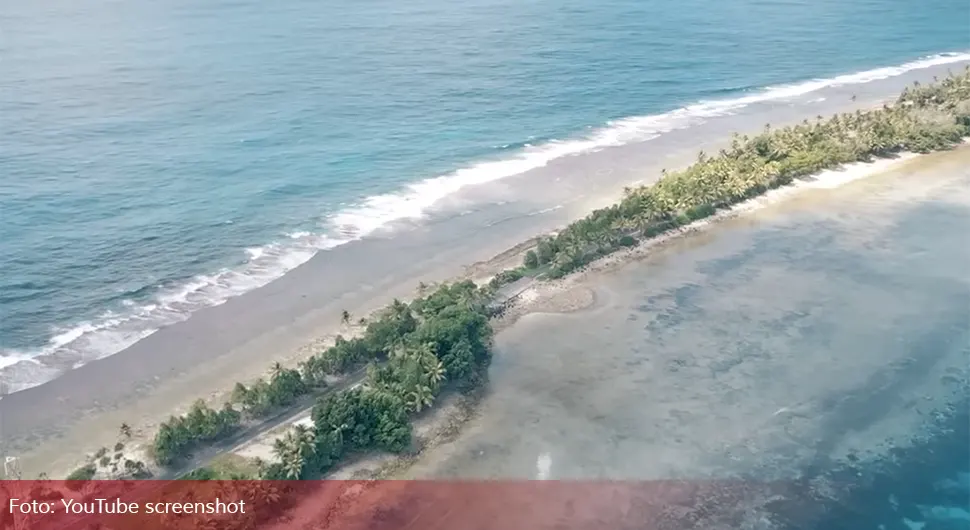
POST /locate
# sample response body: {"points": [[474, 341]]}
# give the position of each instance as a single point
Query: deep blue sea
{"points": [[159, 157]]}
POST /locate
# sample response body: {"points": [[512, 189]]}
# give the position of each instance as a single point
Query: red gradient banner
{"points": [[377, 505]]}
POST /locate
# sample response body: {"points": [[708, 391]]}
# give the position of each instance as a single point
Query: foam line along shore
{"points": [[288, 320], [137, 315]]}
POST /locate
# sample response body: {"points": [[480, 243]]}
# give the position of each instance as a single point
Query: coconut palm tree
{"points": [[293, 466], [289, 452], [345, 317], [260, 466], [125, 430], [435, 372], [305, 438], [419, 398], [282, 447], [277, 370], [307, 372]]}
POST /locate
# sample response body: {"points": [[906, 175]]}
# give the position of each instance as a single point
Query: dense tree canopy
{"points": [[414, 349], [180, 434]]}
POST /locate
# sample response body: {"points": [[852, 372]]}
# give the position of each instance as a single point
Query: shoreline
{"points": [[58, 357], [569, 294], [447, 444], [289, 336]]}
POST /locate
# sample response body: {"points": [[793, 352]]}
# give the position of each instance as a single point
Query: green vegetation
{"points": [[410, 351], [202, 473], [413, 351], [510, 275], [179, 435], [440, 339], [226, 466], [83, 473], [284, 387], [924, 118]]}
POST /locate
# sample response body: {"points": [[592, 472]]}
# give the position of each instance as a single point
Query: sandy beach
{"points": [[710, 374], [51, 427], [581, 292], [780, 395]]}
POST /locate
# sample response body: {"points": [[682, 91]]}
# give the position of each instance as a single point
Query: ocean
{"points": [[159, 158]]}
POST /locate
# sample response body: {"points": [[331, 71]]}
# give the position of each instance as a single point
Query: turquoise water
{"points": [[159, 157]]}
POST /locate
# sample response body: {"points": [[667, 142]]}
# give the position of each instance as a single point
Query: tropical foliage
{"points": [[440, 338], [283, 388], [180, 434], [83, 473], [924, 118], [412, 351], [511, 275]]}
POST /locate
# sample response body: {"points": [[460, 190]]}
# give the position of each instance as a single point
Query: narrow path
{"points": [[286, 416]]}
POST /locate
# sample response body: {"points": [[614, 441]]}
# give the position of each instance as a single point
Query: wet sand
{"points": [[51, 426]]}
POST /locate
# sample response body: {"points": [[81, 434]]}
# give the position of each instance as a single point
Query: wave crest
{"points": [[87, 341]]}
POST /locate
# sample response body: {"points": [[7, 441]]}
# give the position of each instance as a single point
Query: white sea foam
{"points": [[546, 210], [255, 252], [416, 199], [14, 358], [112, 332], [87, 341]]}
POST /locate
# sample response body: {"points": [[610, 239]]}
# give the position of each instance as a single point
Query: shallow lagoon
{"points": [[819, 338]]}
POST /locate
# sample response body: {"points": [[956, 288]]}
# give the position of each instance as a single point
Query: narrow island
{"points": [[366, 390]]}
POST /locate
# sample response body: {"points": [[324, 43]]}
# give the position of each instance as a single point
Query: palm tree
{"points": [[345, 317], [399, 308], [288, 451], [125, 430], [420, 397], [293, 466], [305, 438], [435, 372], [277, 369], [307, 372], [260, 465], [294, 449]]}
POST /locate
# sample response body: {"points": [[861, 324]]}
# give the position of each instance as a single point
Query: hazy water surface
{"points": [[814, 334], [158, 158]]}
